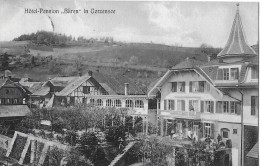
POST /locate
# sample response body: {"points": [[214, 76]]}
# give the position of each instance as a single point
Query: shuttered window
{"points": [[171, 104], [226, 74], [209, 106], [225, 106]]}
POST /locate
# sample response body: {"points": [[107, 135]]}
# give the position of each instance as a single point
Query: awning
{"points": [[14, 110], [253, 152]]}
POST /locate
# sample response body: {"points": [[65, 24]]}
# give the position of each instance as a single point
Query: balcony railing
{"points": [[184, 114]]}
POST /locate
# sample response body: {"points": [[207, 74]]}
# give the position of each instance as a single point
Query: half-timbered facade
{"points": [[13, 105]]}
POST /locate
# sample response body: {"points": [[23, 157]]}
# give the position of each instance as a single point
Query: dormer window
{"points": [[234, 73], [228, 74]]}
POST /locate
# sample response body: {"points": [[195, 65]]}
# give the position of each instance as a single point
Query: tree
{"points": [[209, 50], [71, 137], [5, 61]]}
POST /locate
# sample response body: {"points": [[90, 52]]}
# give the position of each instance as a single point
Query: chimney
{"points": [[126, 88], [90, 73]]}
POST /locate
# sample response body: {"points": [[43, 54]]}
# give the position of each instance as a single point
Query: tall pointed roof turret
{"points": [[236, 44]]}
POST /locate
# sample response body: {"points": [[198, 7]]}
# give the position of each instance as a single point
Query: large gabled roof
{"points": [[117, 84], [62, 81], [73, 85], [237, 44]]}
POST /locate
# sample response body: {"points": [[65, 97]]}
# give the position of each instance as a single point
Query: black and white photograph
{"points": [[129, 83]]}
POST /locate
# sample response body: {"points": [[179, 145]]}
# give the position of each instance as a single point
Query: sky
{"points": [[171, 22]]}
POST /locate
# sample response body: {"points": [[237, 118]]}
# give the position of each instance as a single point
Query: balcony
{"points": [[181, 114]]}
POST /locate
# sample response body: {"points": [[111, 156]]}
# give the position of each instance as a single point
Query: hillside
{"points": [[143, 62]]}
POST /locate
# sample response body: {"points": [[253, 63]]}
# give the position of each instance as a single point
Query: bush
{"points": [[114, 133], [89, 139], [71, 137]]}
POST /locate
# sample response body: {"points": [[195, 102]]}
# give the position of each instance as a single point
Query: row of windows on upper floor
{"points": [[118, 103], [11, 101], [233, 73], [229, 107], [194, 86]]}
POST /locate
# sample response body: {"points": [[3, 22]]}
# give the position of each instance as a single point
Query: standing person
{"points": [[219, 138]]}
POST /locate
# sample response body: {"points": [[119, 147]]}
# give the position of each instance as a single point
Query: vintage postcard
{"points": [[129, 83]]}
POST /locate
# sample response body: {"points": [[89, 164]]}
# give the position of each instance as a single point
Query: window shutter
{"points": [[219, 107], [220, 74], [237, 73], [252, 105], [238, 111], [190, 105], [165, 104], [183, 105], [212, 131], [212, 106], [190, 86], [201, 106], [184, 87]]}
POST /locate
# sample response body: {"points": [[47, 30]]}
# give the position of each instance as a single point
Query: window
{"points": [[234, 107], [207, 129], [86, 89], [92, 101], [7, 101], [201, 86], [254, 73], [254, 105], [15, 101], [174, 86], [209, 106], [181, 86], [178, 87], [170, 104], [109, 103], [139, 104], [99, 102], [193, 105], [233, 73], [225, 107], [226, 74], [194, 86], [129, 103], [181, 105], [225, 133], [234, 131], [117, 103]]}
